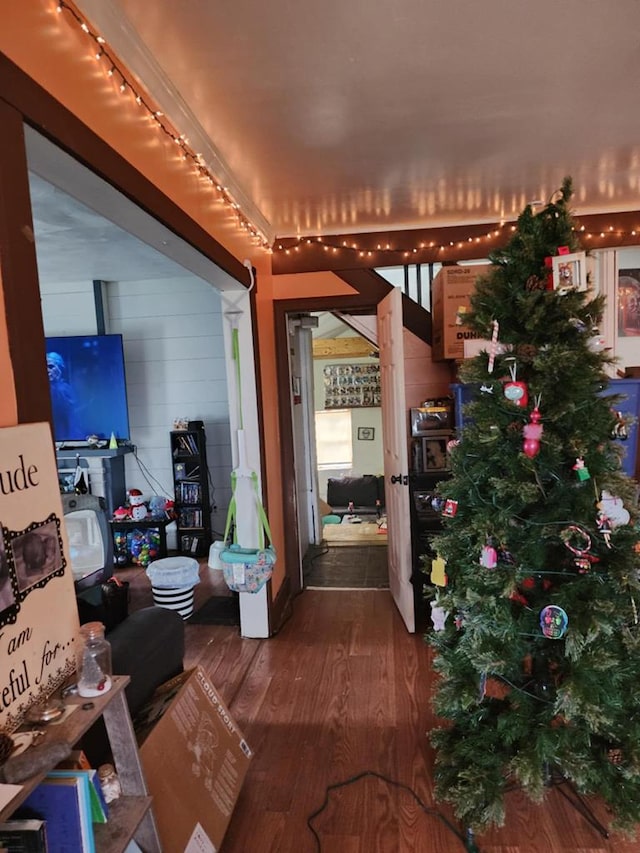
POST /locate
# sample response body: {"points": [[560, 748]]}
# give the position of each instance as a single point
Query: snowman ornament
{"points": [[138, 506]]}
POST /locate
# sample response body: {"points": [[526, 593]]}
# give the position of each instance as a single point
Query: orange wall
{"points": [[306, 285], [8, 402], [57, 55]]}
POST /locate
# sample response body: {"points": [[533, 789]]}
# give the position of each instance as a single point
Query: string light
{"points": [[433, 249], [126, 85]]}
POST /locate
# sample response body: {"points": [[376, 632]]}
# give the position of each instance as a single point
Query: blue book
{"points": [[63, 800]]}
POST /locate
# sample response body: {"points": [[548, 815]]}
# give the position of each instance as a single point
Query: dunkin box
{"points": [[195, 759], [451, 300]]}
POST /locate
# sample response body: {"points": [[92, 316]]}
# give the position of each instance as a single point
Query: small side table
{"points": [[139, 542]]}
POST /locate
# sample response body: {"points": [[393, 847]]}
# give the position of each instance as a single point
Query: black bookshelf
{"points": [[191, 491]]}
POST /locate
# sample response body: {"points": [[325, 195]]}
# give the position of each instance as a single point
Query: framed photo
{"points": [[434, 454], [366, 433], [629, 303], [570, 272]]}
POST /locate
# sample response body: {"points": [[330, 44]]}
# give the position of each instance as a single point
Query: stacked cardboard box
{"points": [[451, 300]]}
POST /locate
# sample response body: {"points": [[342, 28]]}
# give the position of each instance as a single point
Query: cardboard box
{"points": [[451, 295], [195, 760]]}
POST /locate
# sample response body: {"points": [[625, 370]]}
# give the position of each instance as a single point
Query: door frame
{"points": [[358, 304]]}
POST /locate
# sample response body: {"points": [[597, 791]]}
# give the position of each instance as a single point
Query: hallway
{"points": [[340, 690]]}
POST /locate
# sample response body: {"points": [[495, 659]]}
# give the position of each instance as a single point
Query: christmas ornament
{"points": [[482, 687], [526, 352], [604, 527], [438, 574], [450, 508], [505, 556], [519, 598], [489, 557], [619, 432], [535, 283], [438, 616], [614, 509], [533, 432], [516, 392], [554, 622], [578, 541], [494, 346], [615, 756], [581, 470]]}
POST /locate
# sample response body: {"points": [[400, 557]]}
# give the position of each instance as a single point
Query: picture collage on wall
{"points": [[351, 386]]}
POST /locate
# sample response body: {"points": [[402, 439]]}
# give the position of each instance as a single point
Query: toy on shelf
{"points": [[139, 510]]}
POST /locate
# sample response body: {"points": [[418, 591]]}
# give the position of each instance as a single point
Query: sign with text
{"points": [[38, 612]]}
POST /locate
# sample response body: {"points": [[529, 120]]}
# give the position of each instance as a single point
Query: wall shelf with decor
{"points": [[131, 815], [351, 386]]}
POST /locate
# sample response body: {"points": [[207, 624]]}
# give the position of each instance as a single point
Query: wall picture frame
{"points": [[570, 272], [434, 454], [366, 433]]}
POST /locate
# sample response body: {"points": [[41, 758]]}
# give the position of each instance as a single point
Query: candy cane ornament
{"points": [[494, 346]]}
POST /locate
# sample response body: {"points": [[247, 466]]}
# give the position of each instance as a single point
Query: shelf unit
{"points": [[130, 816], [191, 491], [105, 470]]}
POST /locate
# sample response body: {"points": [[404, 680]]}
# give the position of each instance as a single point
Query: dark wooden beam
{"points": [[435, 245], [369, 284], [19, 275]]}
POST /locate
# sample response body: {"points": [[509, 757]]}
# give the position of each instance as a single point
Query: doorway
{"points": [[344, 441]]}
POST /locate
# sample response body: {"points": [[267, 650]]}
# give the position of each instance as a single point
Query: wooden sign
{"points": [[38, 611]]}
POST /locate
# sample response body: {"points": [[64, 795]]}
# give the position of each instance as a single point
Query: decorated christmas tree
{"points": [[538, 640]]}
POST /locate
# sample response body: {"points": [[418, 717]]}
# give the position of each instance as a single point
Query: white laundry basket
{"points": [[172, 582]]}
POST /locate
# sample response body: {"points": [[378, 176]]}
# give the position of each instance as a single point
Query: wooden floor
{"points": [[367, 532], [340, 691]]}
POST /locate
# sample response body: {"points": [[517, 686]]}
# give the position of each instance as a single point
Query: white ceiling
{"points": [[355, 116]]}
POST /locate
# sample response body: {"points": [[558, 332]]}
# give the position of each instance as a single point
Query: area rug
{"points": [[218, 610], [346, 567]]}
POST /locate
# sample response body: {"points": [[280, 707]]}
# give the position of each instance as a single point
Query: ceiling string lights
{"points": [[127, 86], [434, 249], [336, 245]]}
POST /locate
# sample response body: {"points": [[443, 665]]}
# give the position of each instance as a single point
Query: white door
{"points": [[396, 461]]}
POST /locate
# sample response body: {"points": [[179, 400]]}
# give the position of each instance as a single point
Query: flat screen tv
{"points": [[88, 387]]}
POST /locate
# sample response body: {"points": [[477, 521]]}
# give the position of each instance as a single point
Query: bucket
{"points": [[172, 582], [179, 599]]}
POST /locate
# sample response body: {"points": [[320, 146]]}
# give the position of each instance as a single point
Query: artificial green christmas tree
{"points": [[539, 652]]}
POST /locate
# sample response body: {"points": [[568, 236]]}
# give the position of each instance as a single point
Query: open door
{"points": [[396, 461]]}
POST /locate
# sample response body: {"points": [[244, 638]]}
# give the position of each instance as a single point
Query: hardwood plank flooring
{"points": [[342, 689]]}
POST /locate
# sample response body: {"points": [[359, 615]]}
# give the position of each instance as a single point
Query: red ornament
{"points": [[516, 392], [450, 508], [532, 434]]}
